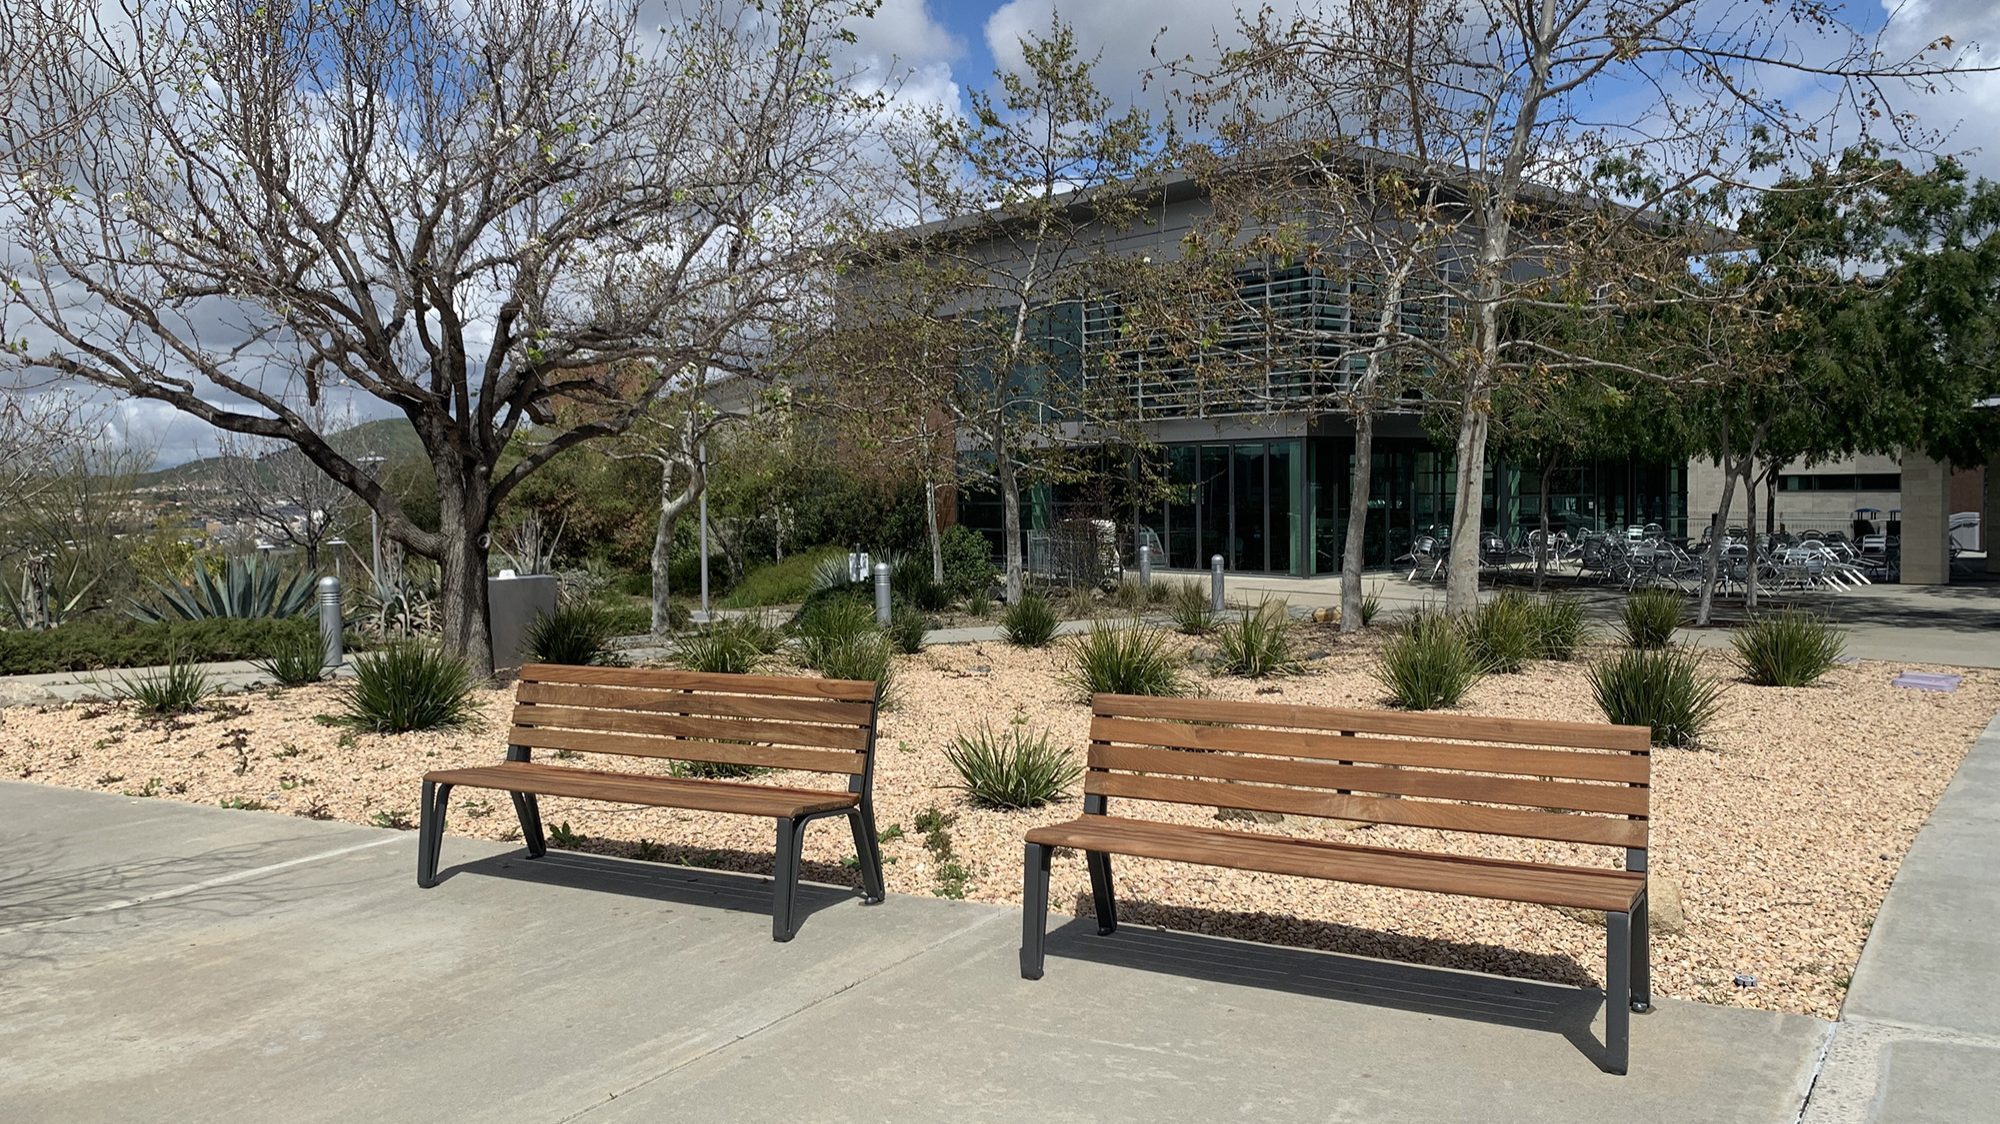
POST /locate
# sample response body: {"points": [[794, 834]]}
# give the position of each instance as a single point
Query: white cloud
{"points": [[1963, 112]]}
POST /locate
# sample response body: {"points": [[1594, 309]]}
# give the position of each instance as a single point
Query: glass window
{"points": [[1250, 490]]}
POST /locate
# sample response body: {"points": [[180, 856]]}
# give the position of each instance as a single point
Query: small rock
{"points": [[1317, 654], [1201, 655], [1328, 615], [1270, 690], [1745, 979], [980, 669], [1247, 816], [1665, 912]]}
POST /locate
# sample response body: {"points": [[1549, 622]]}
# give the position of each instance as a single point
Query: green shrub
{"points": [[1013, 768], [1188, 603], [626, 617], [1123, 660], [906, 630], [968, 561], [714, 770], [248, 586], [1661, 688], [409, 685], [578, 632], [1502, 633], [298, 657], [716, 651], [1560, 626], [1029, 623], [1650, 617], [176, 688], [1788, 649], [1371, 606], [865, 656], [756, 629], [101, 642], [1429, 664], [910, 582], [1258, 643], [787, 581]]}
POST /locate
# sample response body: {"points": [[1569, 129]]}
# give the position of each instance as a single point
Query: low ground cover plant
{"points": [[1788, 649], [103, 642], [1649, 617], [409, 685], [785, 582], [1428, 663], [1660, 688], [1259, 642], [1029, 623], [1130, 659], [1012, 767]]}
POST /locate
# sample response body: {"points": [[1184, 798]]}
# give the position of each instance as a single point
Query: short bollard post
{"points": [[882, 594], [329, 619], [1145, 566], [1215, 584]]}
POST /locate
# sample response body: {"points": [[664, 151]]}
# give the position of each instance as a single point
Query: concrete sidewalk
{"points": [[166, 961]]}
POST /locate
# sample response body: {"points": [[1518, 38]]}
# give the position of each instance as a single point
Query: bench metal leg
{"points": [[1642, 958], [1100, 892], [430, 831], [868, 853], [785, 881], [1617, 991], [1035, 910], [530, 812]]}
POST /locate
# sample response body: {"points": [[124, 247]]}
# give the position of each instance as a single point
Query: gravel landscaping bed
{"points": [[1780, 836]]}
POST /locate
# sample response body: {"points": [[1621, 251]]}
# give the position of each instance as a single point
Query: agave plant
{"points": [[246, 587]]}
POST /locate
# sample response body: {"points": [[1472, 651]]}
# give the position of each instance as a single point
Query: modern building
{"points": [[1265, 484]]}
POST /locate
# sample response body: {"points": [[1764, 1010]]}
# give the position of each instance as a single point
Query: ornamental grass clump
{"points": [[717, 651], [409, 685], [298, 657], [577, 632], [1788, 649], [1502, 633], [1662, 689], [831, 622], [1649, 618], [1190, 607], [1129, 659], [1029, 623], [907, 628], [755, 629], [177, 688], [1011, 768], [1428, 664], [1258, 643], [866, 656], [1560, 626]]}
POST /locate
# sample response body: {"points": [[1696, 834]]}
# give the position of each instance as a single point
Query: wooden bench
{"points": [[816, 725], [1562, 781]]}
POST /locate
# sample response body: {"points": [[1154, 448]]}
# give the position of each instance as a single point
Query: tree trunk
{"points": [[934, 532], [1461, 586], [465, 514], [672, 507], [1362, 479], [1750, 532], [1542, 555], [1010, 526], [1712, 564], [1771, 499]]}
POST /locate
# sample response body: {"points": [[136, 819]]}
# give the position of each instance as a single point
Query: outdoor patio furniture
{"points": [[1591, 789], [815, 725]]}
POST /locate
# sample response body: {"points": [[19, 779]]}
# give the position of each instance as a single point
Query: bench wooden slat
{"points": [[1463, 727], [1617, 799], [677, 726], [707, 704], [1624, 766], [681, 749], [1578, 887], [851, 690], [625, 788], [1553, 826]]}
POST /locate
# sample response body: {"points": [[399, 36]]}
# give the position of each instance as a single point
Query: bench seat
{"points": [[1471, 876], [663, 792]]}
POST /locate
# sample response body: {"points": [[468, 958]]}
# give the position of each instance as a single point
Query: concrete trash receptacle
{"points": [[513, 603]]}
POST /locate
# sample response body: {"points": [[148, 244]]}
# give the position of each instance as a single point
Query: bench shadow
{"points": [[1543, 992], [736, 887]]}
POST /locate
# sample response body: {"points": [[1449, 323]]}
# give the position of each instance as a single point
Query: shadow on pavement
{"points": [[1526, 1004]]}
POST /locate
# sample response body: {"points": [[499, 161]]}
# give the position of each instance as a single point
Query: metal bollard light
{"points": [[1145, 566], [1215, 583], [329, 620], [882, 594]]}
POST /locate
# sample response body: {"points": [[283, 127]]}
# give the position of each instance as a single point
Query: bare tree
{"points": [[490, 217], [273, 489], [1505, 101], [37, 430]]}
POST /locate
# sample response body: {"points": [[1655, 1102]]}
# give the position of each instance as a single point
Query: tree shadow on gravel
{"points": [[1536, 991]]}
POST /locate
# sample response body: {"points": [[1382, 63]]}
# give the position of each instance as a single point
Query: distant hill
{"points": [[393, 438]]}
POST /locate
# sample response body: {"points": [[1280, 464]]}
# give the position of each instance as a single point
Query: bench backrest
{"points": [[1571, 782], [778, 722]]}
